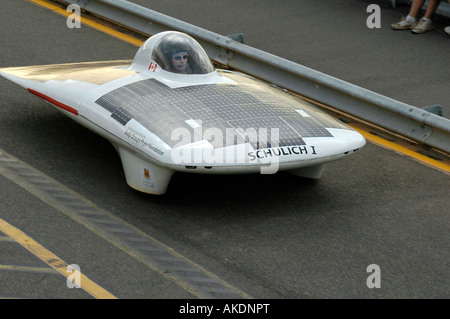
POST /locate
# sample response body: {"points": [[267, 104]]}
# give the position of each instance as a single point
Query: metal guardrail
{"points": [[404, 119]]}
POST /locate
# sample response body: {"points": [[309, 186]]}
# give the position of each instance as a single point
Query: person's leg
{"points": [[411, 21], [431, 8], [416, 6], [425, 24]]}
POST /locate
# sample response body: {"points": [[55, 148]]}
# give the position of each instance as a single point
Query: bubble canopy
{"points": [[174, 52]]}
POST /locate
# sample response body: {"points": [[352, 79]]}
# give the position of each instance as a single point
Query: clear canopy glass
{"points": [[179, 53]]}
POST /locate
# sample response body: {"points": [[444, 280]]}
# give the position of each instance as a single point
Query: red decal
{"points": [[152, 66], [54, 102]]}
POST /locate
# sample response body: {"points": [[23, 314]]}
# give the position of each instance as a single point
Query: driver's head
{"points": [[177, 52], [179, 62]]}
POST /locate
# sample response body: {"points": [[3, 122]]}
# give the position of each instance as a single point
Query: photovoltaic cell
{"points": [[247, 113], [121, 115]]}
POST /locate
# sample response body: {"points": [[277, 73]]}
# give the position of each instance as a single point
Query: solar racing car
{"points": [[169, 110]]}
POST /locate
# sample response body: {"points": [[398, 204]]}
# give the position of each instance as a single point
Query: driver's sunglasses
{"points": [[179, 57]]}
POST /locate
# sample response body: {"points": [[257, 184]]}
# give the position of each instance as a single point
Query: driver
{"points": [[179, 61], [178, 53]]}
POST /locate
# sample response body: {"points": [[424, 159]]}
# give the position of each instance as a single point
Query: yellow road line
{"points": [[90, 23], [52, 260], [403, 150], [375, 139]]}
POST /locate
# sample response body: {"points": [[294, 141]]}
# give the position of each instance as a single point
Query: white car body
{"points": [[213, 122]]}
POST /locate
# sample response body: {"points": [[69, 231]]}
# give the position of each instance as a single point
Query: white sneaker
{"points": [[404, 24], [422, 26], [447, 30]]}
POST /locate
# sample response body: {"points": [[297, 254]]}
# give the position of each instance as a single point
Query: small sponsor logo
{"points": [[147, 173]]}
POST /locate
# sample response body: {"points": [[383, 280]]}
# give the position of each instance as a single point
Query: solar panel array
{"points": [[235, 113]]}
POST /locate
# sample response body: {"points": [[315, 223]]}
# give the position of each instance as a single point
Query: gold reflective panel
{"points": [[91, 72]]}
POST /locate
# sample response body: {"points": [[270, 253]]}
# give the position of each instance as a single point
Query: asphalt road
{"points": [[260, 236]]}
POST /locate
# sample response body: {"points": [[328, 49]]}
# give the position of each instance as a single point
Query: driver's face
{"points": [[179, 62]]}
